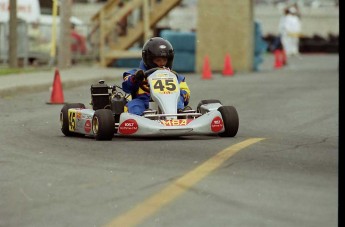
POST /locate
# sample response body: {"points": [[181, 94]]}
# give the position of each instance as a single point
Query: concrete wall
{"points": [[223, 27]]}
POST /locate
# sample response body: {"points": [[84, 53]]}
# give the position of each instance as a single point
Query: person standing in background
{"points": [[290, 29], [78, 44]]}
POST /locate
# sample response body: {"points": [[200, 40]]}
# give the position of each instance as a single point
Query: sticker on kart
{"points": [[128, 127], [164, 85], [72, 119], [87, 126], [217, 124], [175, 122]]}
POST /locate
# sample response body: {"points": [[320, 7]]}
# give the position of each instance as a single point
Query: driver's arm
{"points": [[128, 84]]}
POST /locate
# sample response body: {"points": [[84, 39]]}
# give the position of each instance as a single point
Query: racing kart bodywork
{"points": [[108, 116]]}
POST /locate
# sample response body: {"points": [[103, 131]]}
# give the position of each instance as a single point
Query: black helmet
{"points": [[157, 47]]}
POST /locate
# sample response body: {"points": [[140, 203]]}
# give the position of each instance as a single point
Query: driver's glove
{"points": [[139, 76]]}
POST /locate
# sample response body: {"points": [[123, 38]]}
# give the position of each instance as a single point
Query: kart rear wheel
{"points": [[230, 119], [103, 124], [207, 101], [64, 117]]}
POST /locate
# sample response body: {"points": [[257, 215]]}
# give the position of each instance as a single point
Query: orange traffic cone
{"points": [[277, 59], [57, 93], [206, 70], [228, 71]]}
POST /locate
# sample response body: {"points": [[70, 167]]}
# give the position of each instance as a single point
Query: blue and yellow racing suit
{"points": [[140, 98]]}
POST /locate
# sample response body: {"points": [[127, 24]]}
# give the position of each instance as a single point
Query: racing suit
{"points": [[140, 98]]}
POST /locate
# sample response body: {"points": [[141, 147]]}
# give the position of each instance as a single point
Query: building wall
{"points": [[223, 27]]}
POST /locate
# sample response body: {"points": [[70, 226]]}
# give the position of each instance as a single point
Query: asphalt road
{"points": [[289, 178]]}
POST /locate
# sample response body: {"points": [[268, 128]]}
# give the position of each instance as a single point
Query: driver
{"points": [[156, 52]]}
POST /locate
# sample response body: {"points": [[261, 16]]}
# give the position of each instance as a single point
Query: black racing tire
{"points": [[103, 124], [230, 120], [207, 101], [64, 117]]}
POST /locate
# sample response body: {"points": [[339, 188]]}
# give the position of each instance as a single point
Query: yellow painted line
{"points": [[172, 191]]}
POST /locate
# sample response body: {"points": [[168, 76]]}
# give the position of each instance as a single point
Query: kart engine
{"points": [[100, 96]]}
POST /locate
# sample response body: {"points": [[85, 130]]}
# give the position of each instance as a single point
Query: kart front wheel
{"points": [[230, 119], [64, 117], [103, 124]]}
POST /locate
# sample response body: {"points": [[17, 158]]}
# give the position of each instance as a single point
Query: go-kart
{"points": [[108, 116]]}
